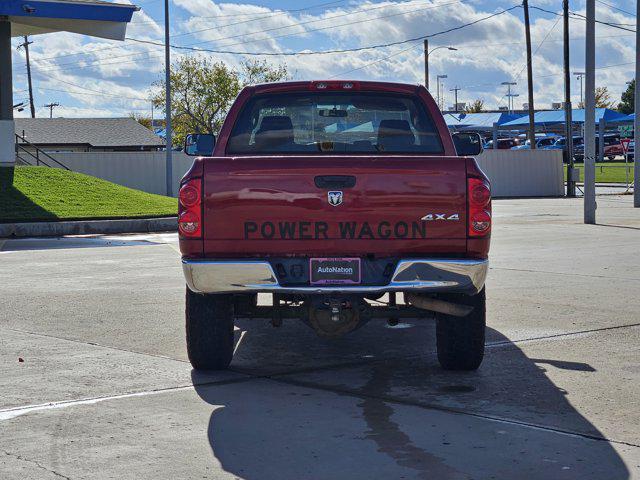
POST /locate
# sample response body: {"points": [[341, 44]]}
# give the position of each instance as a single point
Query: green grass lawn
{"points": [[607, 172], [29, 194]]}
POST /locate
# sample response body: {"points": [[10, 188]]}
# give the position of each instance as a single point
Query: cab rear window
{"points": [[354, 122]]}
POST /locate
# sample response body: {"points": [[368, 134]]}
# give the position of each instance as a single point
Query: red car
{"points": [[330, 195]]}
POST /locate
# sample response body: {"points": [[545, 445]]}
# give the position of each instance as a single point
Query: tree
{"points": [[627, 105], [141, 119], [202, 91], [476, 106], [603, 98]]}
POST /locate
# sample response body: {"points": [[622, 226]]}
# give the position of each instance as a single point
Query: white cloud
{"points": [[488, 53]]}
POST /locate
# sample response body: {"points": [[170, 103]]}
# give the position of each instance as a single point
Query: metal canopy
{"points": [[550, 117], [479, 121], [95, 18], [88, 17]]}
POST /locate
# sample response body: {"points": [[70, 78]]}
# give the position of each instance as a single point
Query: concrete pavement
{"points": [[105, 391]]}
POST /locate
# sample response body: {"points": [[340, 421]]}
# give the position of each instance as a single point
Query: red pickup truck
{"points": [[335, 197]]}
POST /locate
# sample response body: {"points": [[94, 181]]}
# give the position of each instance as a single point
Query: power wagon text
{"points": [[342, 230]]}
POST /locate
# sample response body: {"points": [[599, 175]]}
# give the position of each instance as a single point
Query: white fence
{"points": [[140, 170], [513, 173], [524, 173]]}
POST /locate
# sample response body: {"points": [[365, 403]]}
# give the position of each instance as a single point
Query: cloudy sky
{"points": [[91, 77]]}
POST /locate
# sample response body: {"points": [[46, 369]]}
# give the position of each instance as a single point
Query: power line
{"points": [[463, 46], [374, 62], [324, 52], [286, 11], [597, 68], [582, 17], [91, 93], [99, 91], [540, 44], [276, 37], [346, 14], [356, 49], [281, 12], [616, 8], [302, 53]]}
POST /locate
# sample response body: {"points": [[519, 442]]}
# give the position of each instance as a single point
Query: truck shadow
{"points": [[375, 404], [15, 203]]}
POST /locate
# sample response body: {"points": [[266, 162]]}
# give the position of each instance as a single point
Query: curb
{"points": [[84, 227]]}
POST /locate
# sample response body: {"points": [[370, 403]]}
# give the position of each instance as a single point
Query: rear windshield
{"points": [[312, 123]]}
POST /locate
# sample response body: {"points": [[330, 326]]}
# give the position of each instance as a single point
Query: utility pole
{"points": [[456, 89], [426, 63], [50, 106], [167, 79], [590, 117], [527, 27], [568, 127], [636, 167], [26, 51]]}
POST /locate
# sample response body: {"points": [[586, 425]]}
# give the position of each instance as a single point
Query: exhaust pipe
{"points": [[439, 306]]}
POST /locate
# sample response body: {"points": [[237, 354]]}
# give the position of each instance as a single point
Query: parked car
{"points": [[612, 148], [541, 143], [503, 143], [325, 218]]}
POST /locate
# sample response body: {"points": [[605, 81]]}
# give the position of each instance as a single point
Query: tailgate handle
{"points": [[335, 181]]}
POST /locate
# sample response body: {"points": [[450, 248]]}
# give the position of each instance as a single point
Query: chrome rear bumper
{"points": [[419, 274]]}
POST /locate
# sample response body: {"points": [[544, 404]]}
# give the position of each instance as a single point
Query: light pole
{"points": [[167, 70], [590, 116], [438, 78], [509, 95], [428, 52], [636, 124], [580, 76]]}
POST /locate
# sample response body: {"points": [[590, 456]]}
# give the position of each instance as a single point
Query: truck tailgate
{"points": [[307, 205]]}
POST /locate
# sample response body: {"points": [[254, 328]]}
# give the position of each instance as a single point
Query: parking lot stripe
{"points": [[9, 413]]}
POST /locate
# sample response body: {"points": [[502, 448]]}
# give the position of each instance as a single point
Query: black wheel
{"points": [[611, 158], [460, 340], [209, 320]]}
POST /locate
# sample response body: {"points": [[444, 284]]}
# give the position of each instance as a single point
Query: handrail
{"points": [[38, 152], [21, 160]]}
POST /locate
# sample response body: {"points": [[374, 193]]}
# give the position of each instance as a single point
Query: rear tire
{"points": [[460, 340], [209, 325]]}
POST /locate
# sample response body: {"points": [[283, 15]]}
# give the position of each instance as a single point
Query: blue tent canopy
{"points": [[478, 120], [551, 117]]}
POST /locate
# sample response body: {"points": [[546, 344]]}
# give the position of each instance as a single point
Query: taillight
{"points": [[479, 195], [334, 85], [190, 209]]}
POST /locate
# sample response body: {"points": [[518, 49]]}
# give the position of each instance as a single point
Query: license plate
{"points": [[334, 271]]}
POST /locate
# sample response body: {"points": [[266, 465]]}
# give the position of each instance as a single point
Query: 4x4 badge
{"points": [[335, 198]]}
